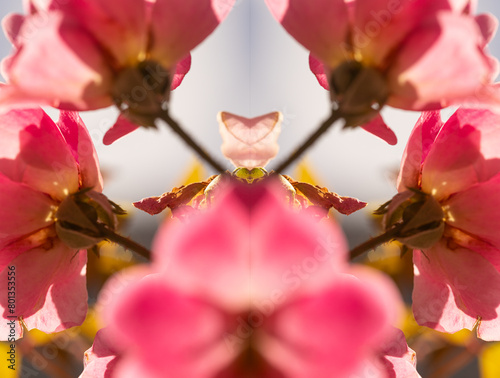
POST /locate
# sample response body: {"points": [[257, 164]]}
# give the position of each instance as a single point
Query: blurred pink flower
{"points": [[259, 292], [250, 142], [457, 280], [84, 55], [41, 163], [410, 52]]}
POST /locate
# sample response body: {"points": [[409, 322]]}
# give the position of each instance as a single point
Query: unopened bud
{"points": [[80, 216], [141, 92], [359, 91], [418, 217]]}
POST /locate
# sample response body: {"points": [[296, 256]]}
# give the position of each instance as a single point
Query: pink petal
{"points": [[180, 25], [453, 161], [82, 148], [419, 144], [378, 127], [488, 25], [449, 292], [11, 25], [221, 234], [121, 128], [250, 142], [358, 309], [418, 83], [181, 69], [43, 159], [464, 153], [77, 77], [307, 253], [22, 210], [320, 25], [485, 97], [51, 294], [120, 26], [183, 332], [221, 8], [36, 153], [475, 210], [280, 241], [12, 97], [380, 26], [100, 360], [318, 69], [399, 360]]}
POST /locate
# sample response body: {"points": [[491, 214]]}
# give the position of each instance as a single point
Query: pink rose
{"points": [[249, 288], [84, 55], [42, 164], [456, 165], [406, 54]]}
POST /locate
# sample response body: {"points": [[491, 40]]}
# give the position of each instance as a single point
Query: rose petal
{"points": [[318, 69], [380, 26], [45, 160], [184, 333], [121, 128], [418, 83], [399, 360], [77, 77], [180, 25], [250, 142], [358, 309], [378, 127], [181, 69], [419, 144], [119, 26], [11, 25], [320, 25], [51, 294], [82, 148], [281, 241], [475, 210], [453, 160], [22, 210], [488, 25], [100, 360], [449, 292]]}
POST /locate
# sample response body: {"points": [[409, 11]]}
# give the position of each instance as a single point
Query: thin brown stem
{"points": [[176, 128], [310, 141], [125, 242], [374, 242]]}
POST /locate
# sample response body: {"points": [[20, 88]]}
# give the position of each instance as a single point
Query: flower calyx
{"points": [[358, 91], [82, 218], [415, 219], [142, 92]]}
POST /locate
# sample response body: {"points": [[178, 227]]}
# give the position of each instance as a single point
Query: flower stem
{"points": [[165, 116], [334, 116], [374, 242], [124, 242]]}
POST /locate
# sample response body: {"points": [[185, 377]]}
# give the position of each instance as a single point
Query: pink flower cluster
{"points": [[260, 291]]}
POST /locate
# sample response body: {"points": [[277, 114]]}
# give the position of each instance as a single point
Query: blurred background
{"points": [[250, 66]]}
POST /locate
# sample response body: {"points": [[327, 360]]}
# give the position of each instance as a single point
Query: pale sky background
{"points": [[250, 66]]}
